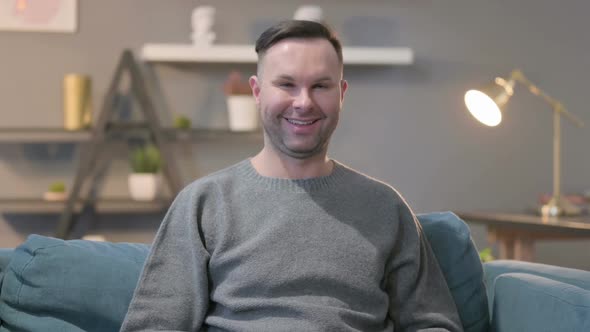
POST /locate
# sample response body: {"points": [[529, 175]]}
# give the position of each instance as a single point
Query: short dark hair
{"points": [[296, 29]]}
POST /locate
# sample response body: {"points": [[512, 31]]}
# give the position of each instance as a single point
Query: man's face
{"points": [[299, 93]]}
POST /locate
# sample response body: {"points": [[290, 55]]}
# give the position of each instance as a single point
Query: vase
{"points": [[77, 103], [242, 113], [144, 186]]}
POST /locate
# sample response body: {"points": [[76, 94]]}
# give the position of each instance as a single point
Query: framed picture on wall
{"points": [[39, 15]]}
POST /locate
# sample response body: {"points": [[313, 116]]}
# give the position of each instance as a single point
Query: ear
{"points": [[255, 86], [343, 88]]}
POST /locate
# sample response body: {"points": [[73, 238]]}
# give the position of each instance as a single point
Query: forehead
{"points": [[302, 55]]}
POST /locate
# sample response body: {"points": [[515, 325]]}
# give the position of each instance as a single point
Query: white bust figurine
{"points": [[201, 21], [309, 13]]}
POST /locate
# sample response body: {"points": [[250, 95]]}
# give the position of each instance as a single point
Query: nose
{"points": [[302, 101]]}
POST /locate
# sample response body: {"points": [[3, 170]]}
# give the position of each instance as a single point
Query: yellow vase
{"points": [[77, 101]]}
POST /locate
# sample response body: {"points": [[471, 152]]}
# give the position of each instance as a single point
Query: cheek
{"points": [[329, 103], [275, 101]]}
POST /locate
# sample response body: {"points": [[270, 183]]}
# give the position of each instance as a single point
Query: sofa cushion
{"points": [[459, 261], [5, 255], [76, 285], [526, 302]]}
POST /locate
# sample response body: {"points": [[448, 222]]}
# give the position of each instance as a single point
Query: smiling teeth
{"points": [[300, 123]]}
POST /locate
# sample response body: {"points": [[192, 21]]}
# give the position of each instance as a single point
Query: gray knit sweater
{"points": [[241, 252]]}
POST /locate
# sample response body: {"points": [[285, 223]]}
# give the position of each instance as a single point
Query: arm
{"points": [[420, 299], [172, 293]]}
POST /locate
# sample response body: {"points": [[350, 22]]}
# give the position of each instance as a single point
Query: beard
{"points": [[294, 147]]}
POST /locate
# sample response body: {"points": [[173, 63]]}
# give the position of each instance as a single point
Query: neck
{"points": [[271, 165]]}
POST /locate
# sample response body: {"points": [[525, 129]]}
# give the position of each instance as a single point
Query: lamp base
{"points": [[558, 206]]}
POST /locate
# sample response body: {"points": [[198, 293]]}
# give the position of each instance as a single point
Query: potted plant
{"points": [[144, 182], [241, 106], [182, 122], [486, 255], [56, 192]]}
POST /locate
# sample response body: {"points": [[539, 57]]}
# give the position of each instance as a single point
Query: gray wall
{"points": [[404, 125]]}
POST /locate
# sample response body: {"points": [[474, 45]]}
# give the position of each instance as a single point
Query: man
{"points": [[291, 240]]}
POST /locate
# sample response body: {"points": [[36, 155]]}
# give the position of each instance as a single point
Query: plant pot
{"points": [[55, 196], [242, 113], [144, 186]]}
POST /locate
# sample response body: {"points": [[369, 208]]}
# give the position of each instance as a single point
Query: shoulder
{"points": [[213, 182], [367, 183], [380, 199], [382, 193]]}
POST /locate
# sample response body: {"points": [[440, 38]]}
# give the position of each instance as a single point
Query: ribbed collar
{"points": [[247, 170]]}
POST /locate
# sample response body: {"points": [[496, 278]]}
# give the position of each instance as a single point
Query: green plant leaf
{"points": [[182, 122], [146, 159], [485, 255], [57, 187]]}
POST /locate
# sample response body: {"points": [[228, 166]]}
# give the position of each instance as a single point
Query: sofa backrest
{"points": [[458, 258], [87, 286], [77, 285]]}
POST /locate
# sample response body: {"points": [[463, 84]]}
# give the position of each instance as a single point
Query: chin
{"points": [[304, 153]]}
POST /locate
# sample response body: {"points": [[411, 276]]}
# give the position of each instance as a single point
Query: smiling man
{"points": [[290, 239], [299, 91]]}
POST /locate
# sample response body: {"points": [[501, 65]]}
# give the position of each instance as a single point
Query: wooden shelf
{"points": [[196, 134], [246, 54], [58, 135], [106, 205], [43, 135]]}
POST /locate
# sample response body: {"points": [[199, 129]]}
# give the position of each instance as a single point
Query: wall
{"points": [[404, 125]]}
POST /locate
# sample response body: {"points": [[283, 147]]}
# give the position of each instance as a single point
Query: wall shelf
{"points": [[43, 135], [60, 135], [104, 205], [246, 54]]}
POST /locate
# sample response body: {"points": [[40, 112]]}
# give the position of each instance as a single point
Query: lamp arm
{"points": [[557, 106]]}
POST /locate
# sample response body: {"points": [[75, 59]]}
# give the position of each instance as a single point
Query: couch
{"points": [[47, 284]]}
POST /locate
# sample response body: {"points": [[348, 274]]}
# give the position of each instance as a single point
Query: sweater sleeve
{"points": [[420, 299], [172, 292]]}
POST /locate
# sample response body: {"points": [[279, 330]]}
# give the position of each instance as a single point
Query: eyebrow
{"points": [[291, 78]]}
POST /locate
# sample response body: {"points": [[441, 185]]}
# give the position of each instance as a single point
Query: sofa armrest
{"points": [[496, 268], [526, 302], [574, 277]]}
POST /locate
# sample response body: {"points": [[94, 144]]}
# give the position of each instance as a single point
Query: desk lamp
{"points": [[487, 105]]}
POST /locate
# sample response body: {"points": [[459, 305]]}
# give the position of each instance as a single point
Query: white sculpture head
{"points": [[202, 18], [309, 13]]}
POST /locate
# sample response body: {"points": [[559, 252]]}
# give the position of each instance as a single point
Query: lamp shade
{"points": [[486, 104]]}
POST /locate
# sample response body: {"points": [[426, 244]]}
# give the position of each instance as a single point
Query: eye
{"points": [[285, 84], [320, 86]]}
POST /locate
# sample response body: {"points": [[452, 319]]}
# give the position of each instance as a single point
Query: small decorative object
{"points": [[202, 20], [182, 122], [77, 101], [241, 106], [46, 15], [94, 237], [144, 182], [309, 13], [486, 255], [56, 192]]}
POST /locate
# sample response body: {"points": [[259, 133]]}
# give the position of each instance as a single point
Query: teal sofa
{"points": [[47, 284]]}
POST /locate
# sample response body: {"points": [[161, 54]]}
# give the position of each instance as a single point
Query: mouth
{"points": [[301, 123]]}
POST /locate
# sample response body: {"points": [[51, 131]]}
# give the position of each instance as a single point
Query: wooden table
{"points": [[516, 234]]}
